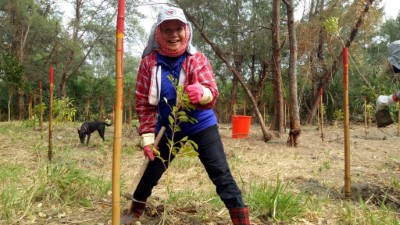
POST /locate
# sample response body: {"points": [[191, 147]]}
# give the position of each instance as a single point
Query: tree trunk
{"points": [[18, 46], [277, 121], [63, 85], [295, 128], [237, 60], [21, 104], [10, 94], [101, 110], [233, 100], [328, 76], [73, 62], [130, 109], [87, 110], [267, 135], [70, 52]]}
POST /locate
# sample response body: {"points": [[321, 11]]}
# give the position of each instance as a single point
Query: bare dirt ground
{"points": [[316, 166]]}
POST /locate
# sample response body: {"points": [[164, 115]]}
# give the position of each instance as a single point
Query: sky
{"points": [[392, 8]]}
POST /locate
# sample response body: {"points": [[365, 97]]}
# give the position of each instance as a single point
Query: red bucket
{"points": [[240, 126]]}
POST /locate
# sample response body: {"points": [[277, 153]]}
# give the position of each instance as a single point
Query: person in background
{"points": [[386, 100], [394, 60], [169, 52]]}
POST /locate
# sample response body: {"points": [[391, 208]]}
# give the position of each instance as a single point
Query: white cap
{"points": [[165, 14], [171, 13]]}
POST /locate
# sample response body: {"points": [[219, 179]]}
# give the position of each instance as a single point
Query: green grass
{"points": [[9, 194], [395, 183], [78, 181], [364, 213], [326, 165], [8, 200], [11, 170], [68, 185], [183, 163], [54, 184], [275, 202]]}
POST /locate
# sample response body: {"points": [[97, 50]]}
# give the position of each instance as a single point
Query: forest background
{"points": [[247, 42]]}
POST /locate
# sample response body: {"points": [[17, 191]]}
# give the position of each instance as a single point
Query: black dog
{"points": [[89, 127]]}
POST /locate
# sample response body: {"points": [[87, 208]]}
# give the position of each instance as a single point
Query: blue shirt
{"points": [[205, 118]]}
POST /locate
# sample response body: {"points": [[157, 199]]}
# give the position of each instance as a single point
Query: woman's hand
{"points": [[148, 151], [195, 92]]}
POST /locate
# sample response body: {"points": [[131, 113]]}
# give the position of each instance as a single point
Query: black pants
{"points": [[211, 154]]}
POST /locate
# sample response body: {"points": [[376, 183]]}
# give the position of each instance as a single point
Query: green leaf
{"points": [[177, 128], [193, 154], [184, 139], [181, 113], [183, 119], [331, 25], [193, 144], [171, 120]]}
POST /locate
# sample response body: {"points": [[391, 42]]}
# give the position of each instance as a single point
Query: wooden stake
{"points": [[244, 107], [347, 187], [322, 114], [50, 151], [101, 114], [119, 98], [365, 115], [34, 109], [130, 109], [30, 107], [285, 115], [87, 117], [41, 110], [74, 114], [234, 107], [139, 174]]}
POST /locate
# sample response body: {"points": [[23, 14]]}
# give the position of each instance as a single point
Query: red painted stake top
{"points": [[120, 18], [51, 76], [345, 67]]}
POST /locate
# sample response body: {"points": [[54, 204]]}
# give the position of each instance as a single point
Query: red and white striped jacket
{"points": [[195, 67]]}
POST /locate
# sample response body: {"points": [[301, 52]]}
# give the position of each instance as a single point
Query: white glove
{"points": [[383, 100], [148, 139]]}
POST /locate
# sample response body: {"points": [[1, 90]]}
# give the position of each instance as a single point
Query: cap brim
{"points": [[172, 18]]}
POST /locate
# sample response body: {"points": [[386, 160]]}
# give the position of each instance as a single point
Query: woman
{"points": [[170, 52]]}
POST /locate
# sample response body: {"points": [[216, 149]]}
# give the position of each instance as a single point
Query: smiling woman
{"points": [[169, 65]]}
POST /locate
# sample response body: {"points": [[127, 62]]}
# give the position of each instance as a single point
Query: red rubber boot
{"points": [[134, 213], [240, 216]]}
